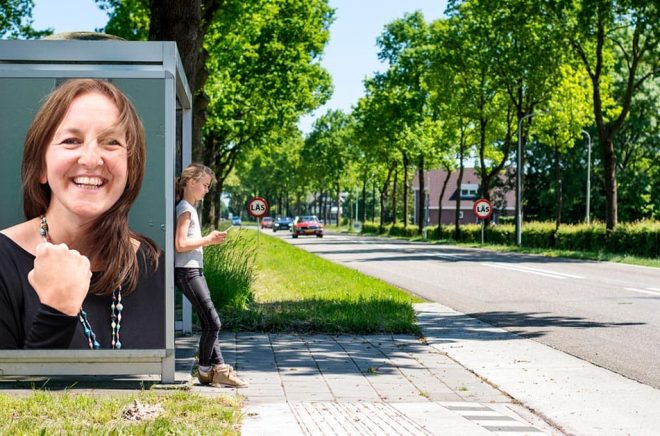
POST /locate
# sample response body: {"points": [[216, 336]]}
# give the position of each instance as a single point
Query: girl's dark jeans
{"points": [[192, 283]]}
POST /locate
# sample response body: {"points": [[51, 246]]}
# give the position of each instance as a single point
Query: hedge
{"points": [[637, 239]]}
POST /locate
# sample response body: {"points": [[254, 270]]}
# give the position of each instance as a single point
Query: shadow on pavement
{"points": [[448, 328]]}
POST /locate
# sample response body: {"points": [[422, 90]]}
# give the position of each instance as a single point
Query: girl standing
{"points": [[191, 188]]}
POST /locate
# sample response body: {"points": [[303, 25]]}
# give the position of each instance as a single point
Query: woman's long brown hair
{"points": [[109, 239]]}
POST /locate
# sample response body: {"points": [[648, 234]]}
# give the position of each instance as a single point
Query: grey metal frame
{"points": [[109, 59]]}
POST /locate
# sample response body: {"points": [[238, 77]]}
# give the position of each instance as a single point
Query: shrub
{"points": [[373, 229], [399, 230], [641, 239], [581, 237], [539, 234]]}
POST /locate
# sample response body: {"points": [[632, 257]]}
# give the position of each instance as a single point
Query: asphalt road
{"points": [[605, 313]]}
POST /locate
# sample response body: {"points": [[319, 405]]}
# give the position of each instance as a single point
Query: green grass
{"points": [[296, 291], [229, 270], [68, 413]]}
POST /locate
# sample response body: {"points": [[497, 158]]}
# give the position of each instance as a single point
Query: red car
{"points": [[307, 225], [266, 222]]}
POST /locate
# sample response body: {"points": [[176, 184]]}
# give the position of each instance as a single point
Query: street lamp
{"points": [[588, 219], [519, 171]]}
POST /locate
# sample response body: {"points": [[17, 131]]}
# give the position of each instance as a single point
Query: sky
{"points": [[350, 56]]}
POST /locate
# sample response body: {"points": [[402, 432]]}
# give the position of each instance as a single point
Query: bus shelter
{"points": [[152, 76]]}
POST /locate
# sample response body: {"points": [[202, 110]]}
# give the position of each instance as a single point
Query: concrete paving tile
{"points": [[270, 419], [310, 396], [366, 398], [303, 381], [437, 420], [265, 399], [389, 380]]}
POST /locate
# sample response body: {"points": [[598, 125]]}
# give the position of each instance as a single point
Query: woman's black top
{"points": [[26, 323]]}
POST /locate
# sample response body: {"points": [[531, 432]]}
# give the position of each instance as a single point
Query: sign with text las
{"points": [[257, 207], [483, 209]]}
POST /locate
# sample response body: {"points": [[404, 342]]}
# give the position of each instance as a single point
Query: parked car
{"points": [[307, 225], [236, 220], [282, 223], [267, 222]]}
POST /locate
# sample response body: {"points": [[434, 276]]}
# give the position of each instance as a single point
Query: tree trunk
{"points": [[421, 204], [338, 205], [383, 198], [442, 195], [406, 187], [394, 183], [373, 202], [363, 209], [558, 188], [459, 180], [186, 22]]}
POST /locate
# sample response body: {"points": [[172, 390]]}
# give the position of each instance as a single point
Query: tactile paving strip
{"points": [[329, 418]]}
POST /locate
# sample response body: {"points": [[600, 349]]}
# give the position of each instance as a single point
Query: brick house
{"points": [[504, 201]]}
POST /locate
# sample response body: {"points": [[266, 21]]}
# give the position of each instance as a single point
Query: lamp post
{"points": [[519, 171], [588, 219]]}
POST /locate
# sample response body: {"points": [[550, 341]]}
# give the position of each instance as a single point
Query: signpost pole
{"points": [[257, 207], [483, 226]]}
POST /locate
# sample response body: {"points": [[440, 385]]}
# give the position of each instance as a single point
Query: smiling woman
{"points": [[73, 275]]}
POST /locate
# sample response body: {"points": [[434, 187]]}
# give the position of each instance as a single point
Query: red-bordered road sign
{"points": [[483, 209], [257, 207]]}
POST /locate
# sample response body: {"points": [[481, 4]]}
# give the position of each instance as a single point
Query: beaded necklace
{"points": [[116, 307]]}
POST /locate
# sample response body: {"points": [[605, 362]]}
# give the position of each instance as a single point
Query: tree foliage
{"points": [[16, 20], [453, 91]]}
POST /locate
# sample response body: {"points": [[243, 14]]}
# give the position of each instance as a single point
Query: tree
{"points": [[524, 48], [637, 147], [596, 29], [128, 19], [184, 21], [565, 115], [265, 72], [253, 67], [327, 151], [16, 20]]}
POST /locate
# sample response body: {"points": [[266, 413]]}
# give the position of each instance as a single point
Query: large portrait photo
{"points": [[89, 148]]}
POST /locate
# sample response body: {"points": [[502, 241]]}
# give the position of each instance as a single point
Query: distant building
{"points": [[504, 201]]}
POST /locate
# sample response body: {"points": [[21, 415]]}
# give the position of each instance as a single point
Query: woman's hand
{"points": [[216, 237], [60, 277]]}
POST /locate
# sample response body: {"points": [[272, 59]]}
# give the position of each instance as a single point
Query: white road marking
{"points": [[538, 271], [645, 291]]}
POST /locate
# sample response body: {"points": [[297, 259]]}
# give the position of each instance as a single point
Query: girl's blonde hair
{"points": [[194, 171]]}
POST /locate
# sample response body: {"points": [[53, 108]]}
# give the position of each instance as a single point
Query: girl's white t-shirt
{"points": [[193, 258]]}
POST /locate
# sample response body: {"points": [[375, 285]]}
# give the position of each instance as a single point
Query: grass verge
{"points": [[296, 291], [69, 413]]}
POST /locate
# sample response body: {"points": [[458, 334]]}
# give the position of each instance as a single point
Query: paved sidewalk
{"points": [[465, 378], [364, 385], [577, 396]]}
